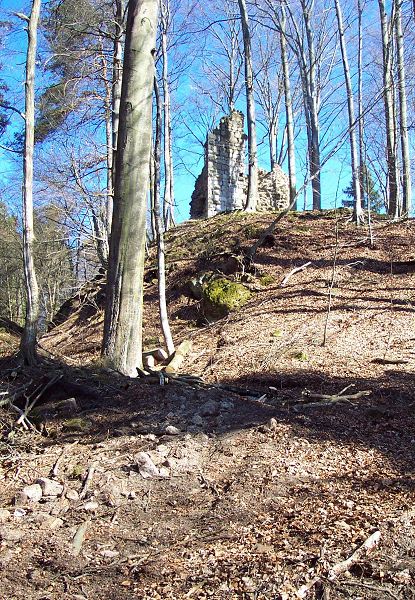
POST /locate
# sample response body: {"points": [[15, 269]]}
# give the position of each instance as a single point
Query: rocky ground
{"points": [[294, 450]]}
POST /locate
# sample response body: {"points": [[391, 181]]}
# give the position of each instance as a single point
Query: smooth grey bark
{"points": [[168, 200], [388, 96], [252, 197], [406, 163], [29, 337], [161, 255], [122, 344], [288, 110], [115, 99], [357, 212]]}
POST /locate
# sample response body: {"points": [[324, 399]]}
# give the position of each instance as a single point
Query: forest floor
{"points": [[257, 483]]}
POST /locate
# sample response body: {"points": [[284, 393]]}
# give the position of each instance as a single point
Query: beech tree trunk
{"points": [[167, 135], [357, 212], [406, 162], [288, 111], [388, 96], [252, 197], [122, 345], [29, 337]]}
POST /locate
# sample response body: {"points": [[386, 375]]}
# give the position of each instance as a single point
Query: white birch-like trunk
{"points": [[122, 345], [168, 200], [29, 337], [161, 255], [288, 111], [252, 197], [388, 96], [357, 212], [406, 162]]}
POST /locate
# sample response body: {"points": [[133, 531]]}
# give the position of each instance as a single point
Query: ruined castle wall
{"points": [[222, 184]]}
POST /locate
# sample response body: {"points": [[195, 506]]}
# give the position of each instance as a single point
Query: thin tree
{"points": [[406, 163], [252, 197], [388, 96], [122, 344], [29, 337], [357, 212], [158, 226], [288, 109]]}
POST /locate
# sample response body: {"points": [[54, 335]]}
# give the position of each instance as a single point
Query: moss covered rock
{"points": [[221, 296]]}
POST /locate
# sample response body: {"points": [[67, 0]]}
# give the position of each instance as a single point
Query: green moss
{"points": [[301, 356], [266, 280], [277, 333], [77, 424], [221, 296]]}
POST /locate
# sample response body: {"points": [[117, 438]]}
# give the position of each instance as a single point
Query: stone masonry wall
{"points": [[222, 184]]}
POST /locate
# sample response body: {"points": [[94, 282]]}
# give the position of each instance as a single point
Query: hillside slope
{"points": [[263, 477]]}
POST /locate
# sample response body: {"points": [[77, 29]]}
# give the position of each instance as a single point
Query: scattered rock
{"points": [[31, 493], [50, 487], [172, 430], [72, 495], [91, 506], [146, 466], [272, 424], [109, 553], [47, 521], [149, 362], [19, 513], [209, 409], [164, 472], [176, 362], [4, 515]]}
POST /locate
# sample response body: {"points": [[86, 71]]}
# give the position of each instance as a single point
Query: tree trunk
{"points": [[252, 197], [168, 162], [358, 212], [28, 341], [122, 343], [360, 115], [406, 163], [288, 111], [161, 261], [116, 94], [393, 204]]}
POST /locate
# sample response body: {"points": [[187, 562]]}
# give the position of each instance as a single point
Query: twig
{"points": [[293, 272], [88, 481], [55, 469], [343, 566]]}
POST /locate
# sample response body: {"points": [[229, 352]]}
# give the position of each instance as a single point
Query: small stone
{"points": [[132, 495], [149, 362], [163, 450], [109, 553], [272, 424], [4, 515], [50, 487], [91, 506], [19, 513], [164, 472], [172, 430], [146, 467], [33, 492], [209, 409], [72, 495]]}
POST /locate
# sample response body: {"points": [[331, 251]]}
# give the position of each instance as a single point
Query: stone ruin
{"points": [[223, 184]]}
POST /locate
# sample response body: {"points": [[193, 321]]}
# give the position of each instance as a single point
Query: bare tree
{"points": [[29, 337], [122, 345], [252, 197], [406, 163], [358, 212]]}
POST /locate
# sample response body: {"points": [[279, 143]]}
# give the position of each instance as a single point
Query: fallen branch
{"points": [[341, 396], [293, 272], [88, 481], [343, 566]]}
